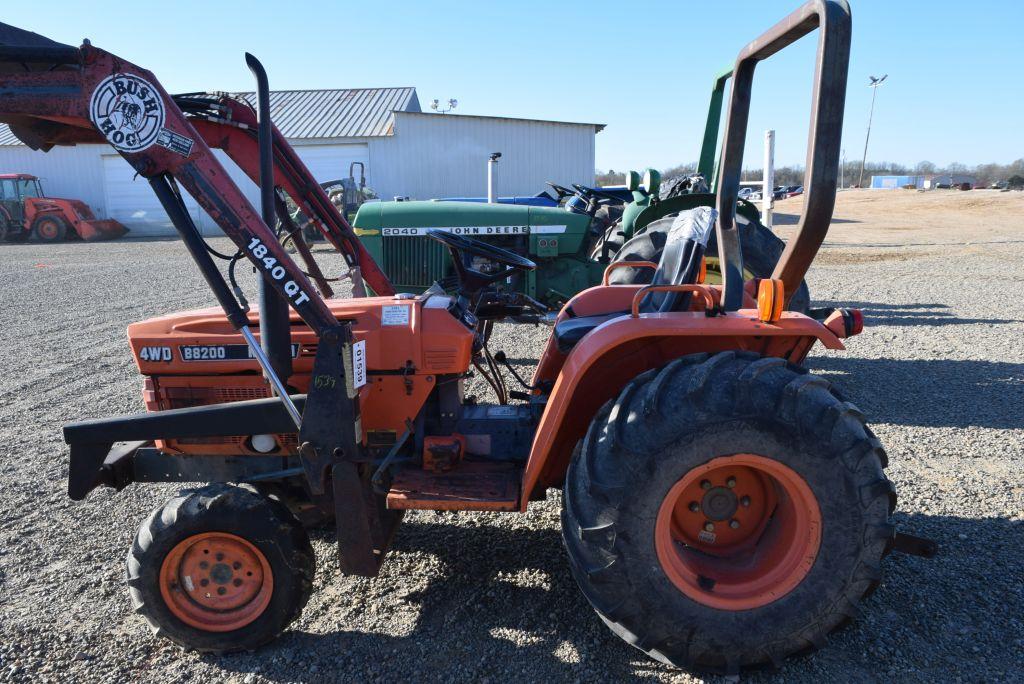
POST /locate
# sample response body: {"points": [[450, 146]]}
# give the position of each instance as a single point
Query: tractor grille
{"points": [[419, 262], [175, 393], [416, 262]]}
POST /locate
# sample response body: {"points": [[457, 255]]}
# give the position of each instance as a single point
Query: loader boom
{"points": [[62, 95], [230, 124]]}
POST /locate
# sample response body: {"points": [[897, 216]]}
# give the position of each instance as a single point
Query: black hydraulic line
{"points": [[293, 233], [500, 357], [196, 246], [275, 326]]}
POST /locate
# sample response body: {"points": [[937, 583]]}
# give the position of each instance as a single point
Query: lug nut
{"points": [[731, 482], [745, 501], [734, 524], [709, 527], [705, 484], [694, 506]]}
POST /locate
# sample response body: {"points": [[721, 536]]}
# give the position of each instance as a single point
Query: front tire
{"points": [[783, 473], [220, 569], [49, 229]]}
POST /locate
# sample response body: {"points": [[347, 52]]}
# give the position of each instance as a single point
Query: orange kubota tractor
{"points": [[25, 211], [723, 508]]}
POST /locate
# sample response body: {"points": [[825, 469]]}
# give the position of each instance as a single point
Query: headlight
{"points": [[263, 443]]}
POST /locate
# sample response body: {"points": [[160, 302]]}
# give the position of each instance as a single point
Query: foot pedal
{"points": [[472, 486]]}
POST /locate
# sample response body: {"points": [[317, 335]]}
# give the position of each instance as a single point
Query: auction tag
{"points": [[359, 363], [394, 315]]}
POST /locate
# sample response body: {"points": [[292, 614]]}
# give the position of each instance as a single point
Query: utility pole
{"points": [[875, 82]]}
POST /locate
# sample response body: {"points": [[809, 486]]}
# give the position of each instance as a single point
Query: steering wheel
{"points": [[470, 279], [594, 192], [560, 191]]}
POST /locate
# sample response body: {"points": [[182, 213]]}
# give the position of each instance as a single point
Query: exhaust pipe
{"points": [[275, 326], [492, 164]]}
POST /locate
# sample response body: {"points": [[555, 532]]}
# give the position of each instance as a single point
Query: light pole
{"points": [[436, 106], [875, 82]]}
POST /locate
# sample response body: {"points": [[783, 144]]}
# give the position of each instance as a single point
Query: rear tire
{"points": [[220, 569], [612, 239], [762, 249], [49, 229], [672, 425]]}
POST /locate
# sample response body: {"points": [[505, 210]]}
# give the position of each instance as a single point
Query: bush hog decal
{"points": [[128, 111]]}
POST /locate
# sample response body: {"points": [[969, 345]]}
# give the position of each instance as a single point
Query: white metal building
{"points": [[406, 152]]}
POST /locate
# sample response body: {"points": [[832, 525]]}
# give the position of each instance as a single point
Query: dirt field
{"points": [[897, 218], [939, 372]]}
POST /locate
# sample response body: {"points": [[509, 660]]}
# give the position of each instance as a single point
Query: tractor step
{"points": [[472, 486]]}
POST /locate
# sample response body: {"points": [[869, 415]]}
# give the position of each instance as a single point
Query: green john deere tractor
{"points": [[574, 237]]}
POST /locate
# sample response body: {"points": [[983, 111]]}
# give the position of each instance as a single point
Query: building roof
{"points": [[6, 137], [598, 127], [325, 113], [338, 113]]}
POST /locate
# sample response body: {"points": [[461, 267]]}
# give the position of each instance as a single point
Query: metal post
{"points": [[768, 194], [275, 326]]}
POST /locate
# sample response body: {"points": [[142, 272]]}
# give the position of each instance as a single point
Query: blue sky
{"points": [[644, 69]]}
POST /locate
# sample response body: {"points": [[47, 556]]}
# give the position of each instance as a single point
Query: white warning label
{"points": [[394, 315]]}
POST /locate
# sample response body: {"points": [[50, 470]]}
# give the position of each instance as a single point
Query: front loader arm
{"points": [[230, 125], [125, 104]]}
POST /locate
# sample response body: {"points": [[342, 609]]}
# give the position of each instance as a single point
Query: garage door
{"points": [[331, 162], [131, 201]]}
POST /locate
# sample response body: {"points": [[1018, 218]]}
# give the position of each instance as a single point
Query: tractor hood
{"points": [[396, 219], [395, 233]]}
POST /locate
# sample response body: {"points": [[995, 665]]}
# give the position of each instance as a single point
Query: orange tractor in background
{"points": [[722, 507], [25, 211]]}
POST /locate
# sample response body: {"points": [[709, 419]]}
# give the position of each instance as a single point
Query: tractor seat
{"points": [[572, 330], [672, 270]]}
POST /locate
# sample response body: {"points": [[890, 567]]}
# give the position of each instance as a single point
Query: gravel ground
{"points": [[939, 372]]}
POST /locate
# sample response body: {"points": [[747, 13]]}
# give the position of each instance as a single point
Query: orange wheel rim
{"points": [[738, 532], [216, 582], [48, 229]]}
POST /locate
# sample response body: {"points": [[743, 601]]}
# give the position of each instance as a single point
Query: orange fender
{"points": [[616, 352]]}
